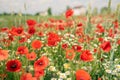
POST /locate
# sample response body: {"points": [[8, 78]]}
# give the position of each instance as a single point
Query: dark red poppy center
{"points": [[13, 66], [19, 31], [40, 63]]}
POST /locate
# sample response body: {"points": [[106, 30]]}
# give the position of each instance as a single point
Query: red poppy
{"points": [[36, 44], [106, 46], [70, 54], [69, 13], [79, 31], [61, 27], [4, 29], [77, 48], [27, 76], [82, 75], [17, 31], [39, 73], [118, 41], [99, 78], [31, 22], [116, 24], [31, 30], [41, 63], [13, 65], [111, 33], [65, 45], [3, 54], [22, 50], [53, 39], [22, 39], [86, 56], [31, 56], [101, 39], [79, 24], [40, 34], [100, 28]]}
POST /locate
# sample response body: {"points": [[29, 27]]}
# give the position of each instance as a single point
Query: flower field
{"points": [[83, 47]]}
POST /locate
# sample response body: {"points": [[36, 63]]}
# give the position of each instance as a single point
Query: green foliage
{"points": [[49, 11]]}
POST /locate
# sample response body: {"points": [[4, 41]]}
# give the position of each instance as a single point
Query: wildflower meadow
{"points": [[66, 47]]}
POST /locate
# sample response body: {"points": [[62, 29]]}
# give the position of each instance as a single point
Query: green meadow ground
{"points": [[16, 20]]}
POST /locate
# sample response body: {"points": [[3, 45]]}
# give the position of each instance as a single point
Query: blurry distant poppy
{"points": [[17, 31], [77, 48], [106, 46], [53, 39], [86, 56], [31, 56], [69, 13], [65, 45], [4, 29], [70, 54], [40, 34], [41, 63], [100, 28], [80, 31], [61, 27], [101, 39], [27, 76], [111, 33], [22, 39], [116, 24], [3, 54], [82, 75], [39, 73], [31, 22], [118, 41], [79, 24], [99, 78], [22, 50], [31, 30], [13, 65], [36, 44]]}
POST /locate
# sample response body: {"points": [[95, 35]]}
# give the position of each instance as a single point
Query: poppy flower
{"points": [[31, 30], [22, 39], [79, 31], [31, 22], [61, 27], [69, 13], [64, 46], [40, 34], [100, 28], [3, 54], [13, 65], [116, 24], [79, 25], [106, 46], [5, 29], [101, 39], [17, 31], [111, 33], [31, 56], [27, 76], [36, 44], [86, 56], [41, 63], [118, 41], [22, 50], [53, 39], [39, 73], [82, 75], [76, 48], [70, 54]]}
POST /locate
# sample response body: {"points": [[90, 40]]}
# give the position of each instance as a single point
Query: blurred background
{"points": [[53, 7]]}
